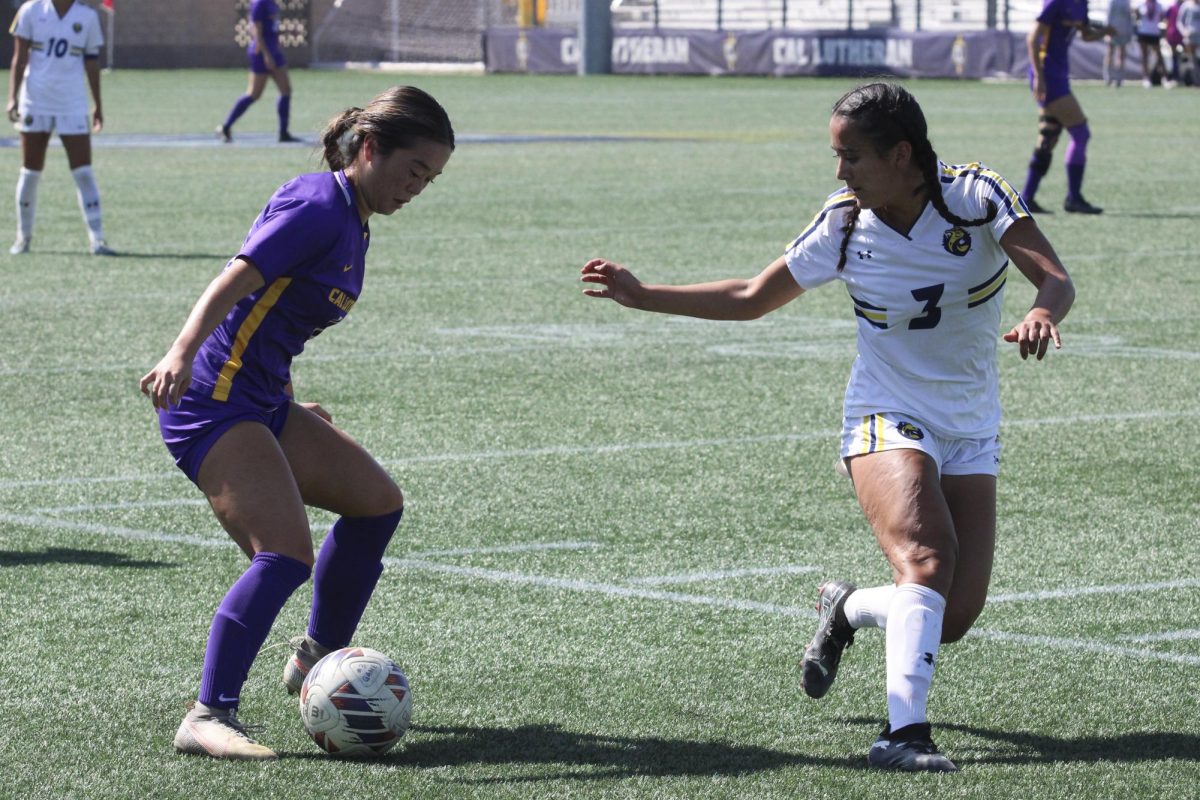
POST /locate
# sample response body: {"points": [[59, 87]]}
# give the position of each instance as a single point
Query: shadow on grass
{"points": [[572, 755], [1023, 747], [66, 555]]}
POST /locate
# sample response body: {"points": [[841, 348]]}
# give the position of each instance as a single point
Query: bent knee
{"points": [[957, 622]]}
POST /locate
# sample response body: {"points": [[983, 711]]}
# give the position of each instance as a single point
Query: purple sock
{"points": [[1076, 158], [348, 567], [242, 623], [284, 107], [239, 108]]}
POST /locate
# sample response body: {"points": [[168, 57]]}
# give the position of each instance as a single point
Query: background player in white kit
{"points": [[56, 43], [923, 249]]}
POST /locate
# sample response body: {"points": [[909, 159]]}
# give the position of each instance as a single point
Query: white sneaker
{"points": [[305, 654], [99, 247], [217, 732], [21, 245]]}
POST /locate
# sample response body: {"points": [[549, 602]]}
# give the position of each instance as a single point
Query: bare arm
{"points": [[1033, 254], [733, 299], [16, 76], [169, 379], [92, 67], [261, 47]]}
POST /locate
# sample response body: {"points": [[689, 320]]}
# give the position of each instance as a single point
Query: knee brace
{"points": [[1040, 163], [1049, 128]]}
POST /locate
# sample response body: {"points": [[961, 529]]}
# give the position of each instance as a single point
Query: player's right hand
{"points": [[167, 382], [616, 282], [13, 113]]}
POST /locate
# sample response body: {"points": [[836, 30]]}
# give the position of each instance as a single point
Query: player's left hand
{"points": [[1034, 335], [320, 412], [97, 121]]}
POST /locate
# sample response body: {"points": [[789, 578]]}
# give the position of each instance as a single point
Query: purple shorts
{"points": [[1057, 85], [191, 428], [259, 66]]}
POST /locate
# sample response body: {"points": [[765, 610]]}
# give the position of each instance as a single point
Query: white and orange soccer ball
{"points": [[355, 702]]}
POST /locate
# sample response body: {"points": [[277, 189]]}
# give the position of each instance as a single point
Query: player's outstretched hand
{"points": [[614, 282], [167, 382], [1034, 335]]}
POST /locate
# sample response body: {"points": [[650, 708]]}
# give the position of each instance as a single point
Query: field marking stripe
{"points": [[609, 589], [613, 590], [723, 574], [1168, 636], [178, 502], [602, 449], [1088, 645], [1117, 588], [510, 548]]}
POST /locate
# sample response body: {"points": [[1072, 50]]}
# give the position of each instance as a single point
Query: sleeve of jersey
{"points": [[812, 258], [22, 26], [258, 12], [991, 186], [1051, 13], [95, 38], [290, 237]]}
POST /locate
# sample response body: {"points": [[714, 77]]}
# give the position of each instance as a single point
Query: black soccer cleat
{"points": [[834, 634], [1077, 205], [224, 134], [287, 138], [910, 749], [1034, 208]]}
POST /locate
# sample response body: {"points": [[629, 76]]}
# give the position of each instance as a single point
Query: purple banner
{"points": [[909, 54]]}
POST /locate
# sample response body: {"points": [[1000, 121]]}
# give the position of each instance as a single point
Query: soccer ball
{"points": [[355, 702]]}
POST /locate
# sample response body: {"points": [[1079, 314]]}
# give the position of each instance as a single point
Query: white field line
{"points": [[1119, 588], [1169, 636], [511, 548], [178, 502], [723, 574], [613, 590]]}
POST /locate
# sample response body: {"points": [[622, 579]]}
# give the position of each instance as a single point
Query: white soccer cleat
{"points": [[21, 245], [99, 247], [305, 653], [216, 732]]}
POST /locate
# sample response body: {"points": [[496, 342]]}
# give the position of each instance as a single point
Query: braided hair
{"points": [[396, 118], [888, 114]]}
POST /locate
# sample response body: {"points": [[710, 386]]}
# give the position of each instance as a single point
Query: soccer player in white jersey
{"points": [[923, 249], [57, 43]]}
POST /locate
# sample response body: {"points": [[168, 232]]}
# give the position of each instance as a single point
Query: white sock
{"points": [[868, 608], [27, 185], [89, 200], [913, 633]]}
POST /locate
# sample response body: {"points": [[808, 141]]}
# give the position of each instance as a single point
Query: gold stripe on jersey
{"points": [[835, 200], [993, 179], [978, 295], [37, 45], [872, 432], [242, 340]]}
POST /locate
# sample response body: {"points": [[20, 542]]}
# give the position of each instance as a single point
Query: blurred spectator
{"points": [[1150, 15], [1189, 28], [1120, 19], [1175, 40]]}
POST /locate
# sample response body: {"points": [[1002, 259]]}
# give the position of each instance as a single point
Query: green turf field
{"points": [[616, 521]]}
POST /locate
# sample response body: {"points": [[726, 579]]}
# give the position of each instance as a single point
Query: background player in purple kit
{"points": [[1048, 43], [266, 59], [228, 416]]}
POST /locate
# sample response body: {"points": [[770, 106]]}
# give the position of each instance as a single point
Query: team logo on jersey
{"points": [[956, 241], [910, 431], [77, 27]]}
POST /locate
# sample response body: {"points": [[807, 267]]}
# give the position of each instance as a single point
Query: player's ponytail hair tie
{"points": [[399, 117]]}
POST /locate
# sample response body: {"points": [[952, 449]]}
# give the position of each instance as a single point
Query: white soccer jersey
{"points": [[928, 303], [54, 80]]}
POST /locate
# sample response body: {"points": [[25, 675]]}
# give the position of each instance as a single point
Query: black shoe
{"points": [[910, 749], [834, 634], [287, 138], [224, 134], [1034, 208], [1077, 205]]}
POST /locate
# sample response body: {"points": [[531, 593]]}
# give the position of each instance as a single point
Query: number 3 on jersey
{"points": [[929, 295]]}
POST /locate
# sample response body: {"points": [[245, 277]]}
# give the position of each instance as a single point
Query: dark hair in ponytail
{"points": [[888, 114], [396, 118]]}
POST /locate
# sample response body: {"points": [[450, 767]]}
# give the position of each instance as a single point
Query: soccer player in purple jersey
{"points": [[266, 59], [225, 406], [1048, 44]]}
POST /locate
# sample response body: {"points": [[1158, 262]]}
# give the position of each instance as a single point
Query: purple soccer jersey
{"points": [[310, 246], [1064, 18], [267, 13]]}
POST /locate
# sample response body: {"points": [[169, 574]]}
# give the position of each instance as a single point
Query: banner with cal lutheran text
{"points": [[904, 54]]}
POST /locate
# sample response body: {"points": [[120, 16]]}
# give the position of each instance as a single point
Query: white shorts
{"points": [[63, 124], [894, 431]]}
